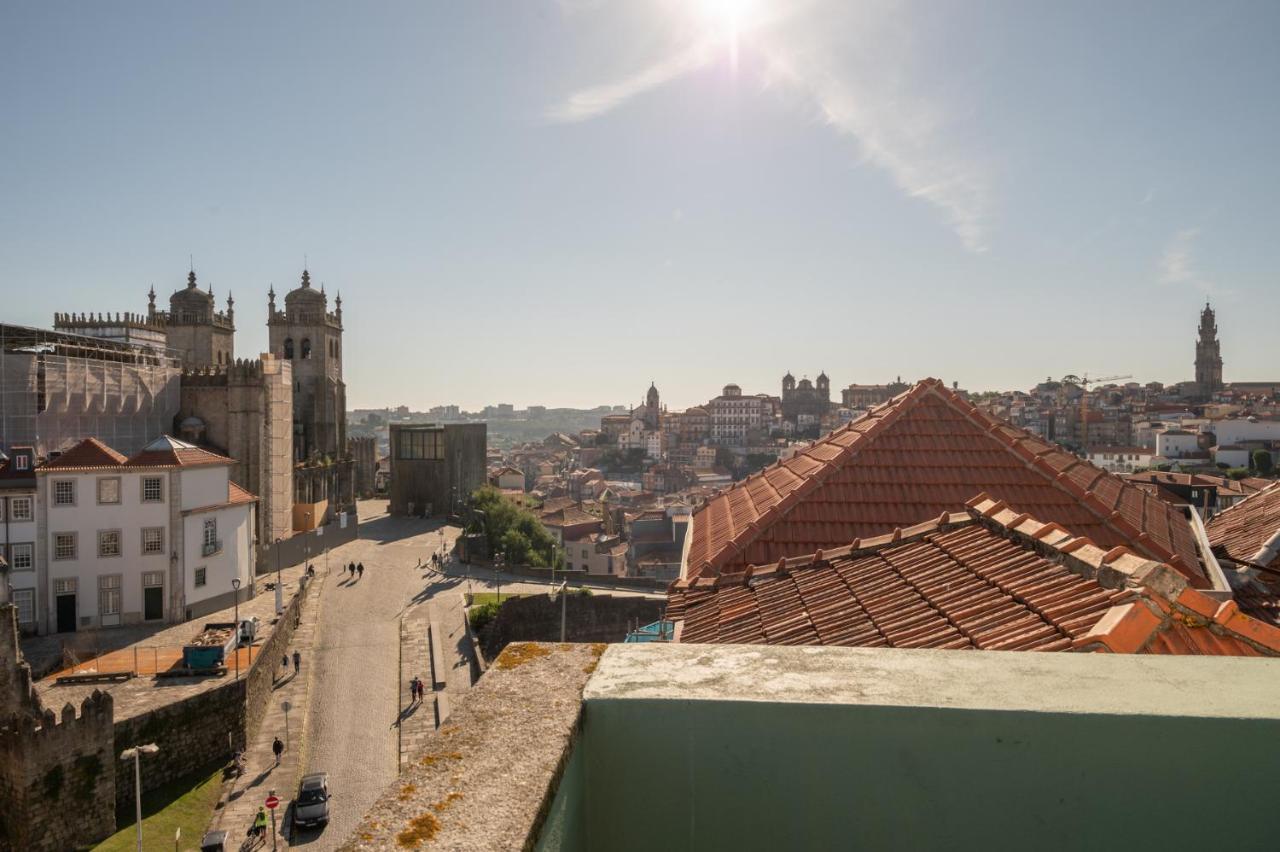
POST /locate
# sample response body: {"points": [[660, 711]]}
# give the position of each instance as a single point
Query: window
{"points": [[25, 601], [210, 540], [65, 586], [306, 347], [152, 540], [64, 545], [152, 489], [109, 490], [109, 594], [108, 543], [421, 444], [22, 557], [288, 348], [21, 462], [202, 576], [20, 509], [64, 492]]}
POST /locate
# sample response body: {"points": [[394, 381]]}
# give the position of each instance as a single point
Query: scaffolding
{"points": [[57, 388]]}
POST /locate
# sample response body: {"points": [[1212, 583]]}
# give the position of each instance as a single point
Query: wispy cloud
{"points": [[1178, 263], [597, 100], [852, 67]]}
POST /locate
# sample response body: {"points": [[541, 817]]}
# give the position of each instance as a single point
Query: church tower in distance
{"points": [[1208, 354]]}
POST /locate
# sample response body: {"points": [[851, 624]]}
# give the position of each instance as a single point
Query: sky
{"points": [[555, 203]]}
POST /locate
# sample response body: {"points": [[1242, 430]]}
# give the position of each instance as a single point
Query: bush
{"points": [[481, 615], [1262, 461], [512, 530]]}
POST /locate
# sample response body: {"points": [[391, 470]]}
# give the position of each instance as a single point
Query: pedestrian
{"points": [[278, 748], [284, 663], [297, 662], [259, 829], [360, 569], [422, 689], [413, 691], [351, 569]]}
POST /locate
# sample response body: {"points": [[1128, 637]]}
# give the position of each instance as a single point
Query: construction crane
{"points": [[1083, 384]]}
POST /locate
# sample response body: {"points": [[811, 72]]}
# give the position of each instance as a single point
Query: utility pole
{"points": [[136, 754], [235, 585]]}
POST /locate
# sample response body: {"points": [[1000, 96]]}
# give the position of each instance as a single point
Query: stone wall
{"points": [[588, 618], [261, 677], [190, 733], [57, 774]]}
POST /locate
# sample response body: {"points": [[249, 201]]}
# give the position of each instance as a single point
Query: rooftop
{"points": [[987, 578], [926, 452]]}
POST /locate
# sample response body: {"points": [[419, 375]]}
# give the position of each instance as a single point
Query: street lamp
{"points": [[136, 754], [279, 585], [235, 584]]}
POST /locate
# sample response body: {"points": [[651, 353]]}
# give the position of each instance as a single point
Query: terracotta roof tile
{"points": [[923, 453], [989, 578], [89, 453], [1243, 530], [170, 452]]}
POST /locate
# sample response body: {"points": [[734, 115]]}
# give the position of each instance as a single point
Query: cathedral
{"points": [[281, 417], [805, 403]]}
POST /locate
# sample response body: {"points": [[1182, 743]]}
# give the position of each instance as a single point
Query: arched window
{"points": [[306, 347], [288, 348], [336, 351]]}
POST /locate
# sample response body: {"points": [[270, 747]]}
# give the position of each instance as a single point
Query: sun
{"points": [[727, 20]]}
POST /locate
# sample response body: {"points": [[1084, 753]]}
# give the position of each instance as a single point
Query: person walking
{"points": [[360, 569], [413, 691], [284, 663], [351, 568], [297, 662], [277, 748]]}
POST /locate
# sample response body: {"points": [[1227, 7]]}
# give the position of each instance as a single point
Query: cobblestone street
{"points": [[358, 690]]}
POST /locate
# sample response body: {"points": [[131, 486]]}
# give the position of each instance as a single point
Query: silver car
{"points": [[311, 807]]}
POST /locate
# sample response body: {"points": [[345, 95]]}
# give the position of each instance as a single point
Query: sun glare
{"points": [[726, 20]]}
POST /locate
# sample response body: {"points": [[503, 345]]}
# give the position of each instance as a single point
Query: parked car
{"points": [[311, 806]]}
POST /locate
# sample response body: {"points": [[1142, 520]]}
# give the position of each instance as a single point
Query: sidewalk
{"points": [[241, 797], [417, 722]]}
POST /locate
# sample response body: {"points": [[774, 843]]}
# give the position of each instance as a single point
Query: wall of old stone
{"points": [[261, 676], [588, 618], [191, 733], [57, 778]]}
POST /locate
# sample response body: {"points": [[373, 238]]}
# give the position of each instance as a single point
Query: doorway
{"points": [[66, 609]]}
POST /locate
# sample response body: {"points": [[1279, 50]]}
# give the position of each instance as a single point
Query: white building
{"points": [[733, 416], [1121, 459], [18, 532], [1239, 430], [155, 537], [1176, 443]]}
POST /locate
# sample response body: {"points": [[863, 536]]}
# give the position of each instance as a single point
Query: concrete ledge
{"points": [[485, 780], [439, 673], [1233, 687]]}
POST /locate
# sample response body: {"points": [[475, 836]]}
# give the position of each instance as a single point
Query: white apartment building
{"points": [[1176, 443], [1120, 459], [733, 416], [1241, 429], [18, 532], [158, 536]]}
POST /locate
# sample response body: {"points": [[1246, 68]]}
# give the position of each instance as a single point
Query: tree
{"points": [[1262, 461], [508, 528]]}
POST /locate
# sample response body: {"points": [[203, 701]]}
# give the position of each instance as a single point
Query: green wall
{"points": [[703, 774]]}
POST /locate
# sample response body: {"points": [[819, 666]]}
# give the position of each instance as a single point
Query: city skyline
{"points": [[892, 190]]}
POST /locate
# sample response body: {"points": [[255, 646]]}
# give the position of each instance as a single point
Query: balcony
{"points": [[687, 747], [209, 548]]}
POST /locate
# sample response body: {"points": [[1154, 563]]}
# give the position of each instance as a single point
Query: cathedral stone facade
{"points": [[309, 336], [805, 403]]}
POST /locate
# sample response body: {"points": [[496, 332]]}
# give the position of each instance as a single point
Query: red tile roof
{"points": [[1244, 530], [89, 453], [237, 495], [987, 578], [170, 452], [923, 453]]}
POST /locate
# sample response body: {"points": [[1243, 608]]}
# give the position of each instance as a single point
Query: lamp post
{"points": [[497, 572], [279, 585], [235, 585], [136, 754]]}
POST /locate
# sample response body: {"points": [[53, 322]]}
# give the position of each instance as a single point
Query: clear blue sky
{"points": [[555, 202]]}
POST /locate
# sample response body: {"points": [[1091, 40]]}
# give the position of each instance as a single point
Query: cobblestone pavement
{"points": [[241, 797], [359, 688]]}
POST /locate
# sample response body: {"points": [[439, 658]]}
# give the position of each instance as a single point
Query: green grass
{"points": [[186, 803], [482, 598]]}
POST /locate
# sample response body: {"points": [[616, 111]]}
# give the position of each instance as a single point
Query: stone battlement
{"points": [[239, 371], [71, 321]]}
